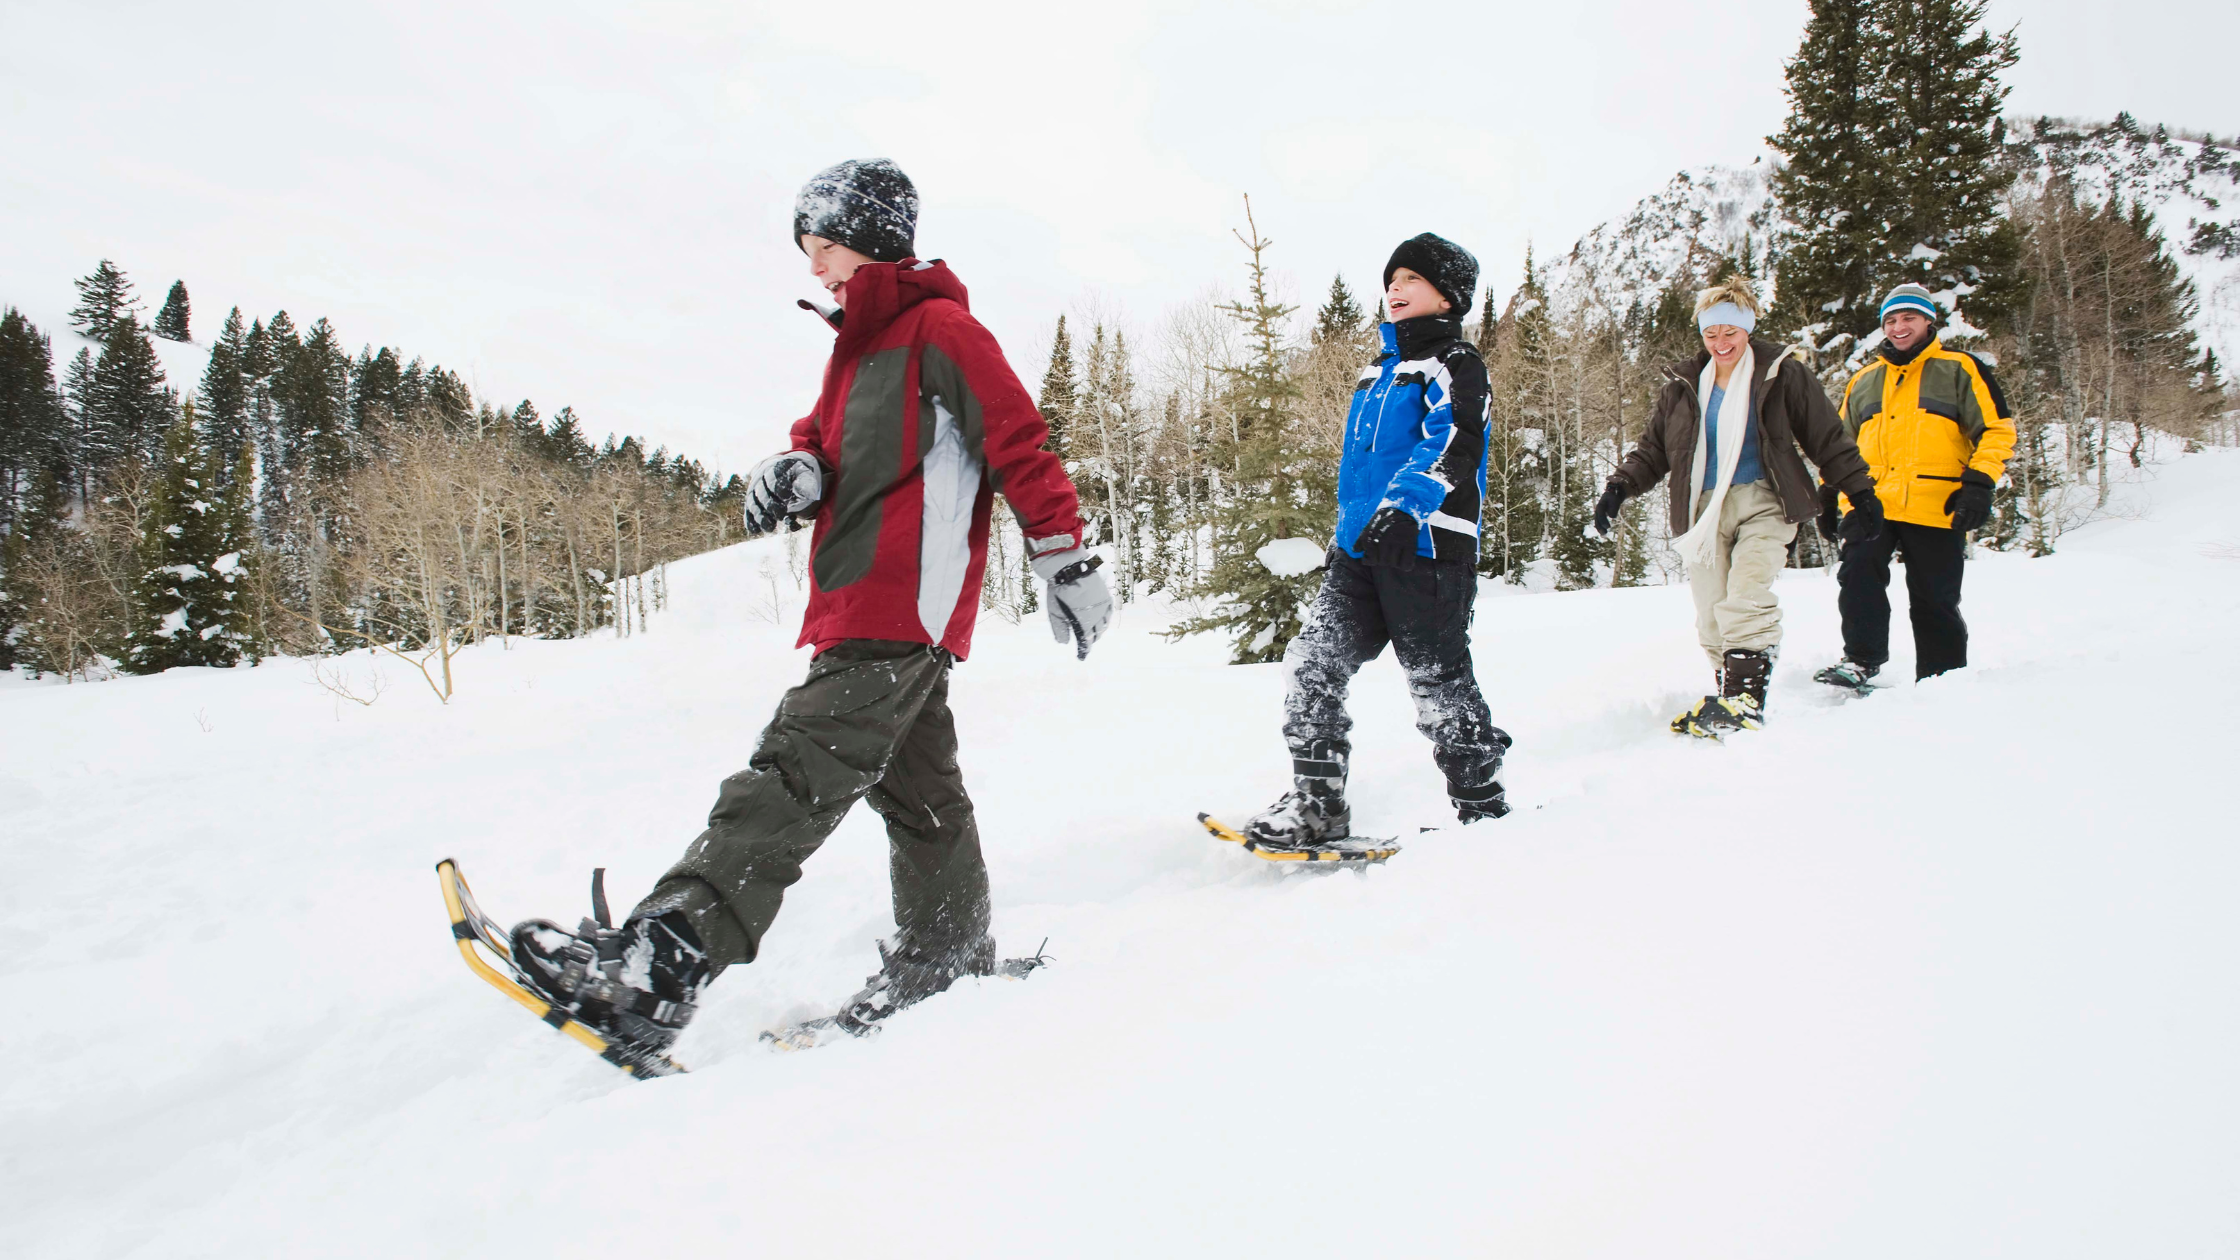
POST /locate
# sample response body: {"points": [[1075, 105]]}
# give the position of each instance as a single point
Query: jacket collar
{"points": [[1416, 338], [879, 293], [1899, 358]]}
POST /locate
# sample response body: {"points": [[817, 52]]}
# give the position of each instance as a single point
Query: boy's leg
{"points": [[1935, 560], [1747, 615], [940, 880], [1428, 610], [830, 741], [1344, 630], [1863, 597]]}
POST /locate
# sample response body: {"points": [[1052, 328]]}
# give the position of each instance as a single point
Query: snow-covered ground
{"points": [[1944, 972]]}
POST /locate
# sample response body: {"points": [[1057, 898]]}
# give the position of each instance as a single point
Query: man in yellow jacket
{"points": [[1936, 433]]}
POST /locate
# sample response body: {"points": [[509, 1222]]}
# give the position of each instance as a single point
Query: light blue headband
{"points": [[1726, 313]]}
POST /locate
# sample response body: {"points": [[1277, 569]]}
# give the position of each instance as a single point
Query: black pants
{"points": [[1424, 613], [1934, 560]]}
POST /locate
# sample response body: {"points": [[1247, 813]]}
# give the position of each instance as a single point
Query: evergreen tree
{"points": [[1059, 399], [224, 395], [564, 443], [82, 448], [104, 298], [1489, 327], [313, 396], [1277, 490], [187, 610], [1341, 318], [38, 544], [1832, 187], [171, 321], [131, 406], [31, 415], [376, 380], [1517, 439]]}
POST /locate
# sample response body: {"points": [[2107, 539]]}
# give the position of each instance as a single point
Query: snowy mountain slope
{"points": [[2192, 187], [1942, 972]]}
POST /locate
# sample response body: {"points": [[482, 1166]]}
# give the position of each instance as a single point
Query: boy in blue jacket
{"points": [[1403, 566]]}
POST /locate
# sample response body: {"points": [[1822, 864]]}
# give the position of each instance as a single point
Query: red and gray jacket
{"points": [[920, 422]]}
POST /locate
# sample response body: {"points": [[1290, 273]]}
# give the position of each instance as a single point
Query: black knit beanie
{"points": [[869, 206], [1448, 266]]}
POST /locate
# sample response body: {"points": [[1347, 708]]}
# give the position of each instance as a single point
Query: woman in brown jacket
{"points": [[1729, 426]]}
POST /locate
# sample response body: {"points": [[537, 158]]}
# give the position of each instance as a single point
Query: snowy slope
{"points": [[1945, 972]]}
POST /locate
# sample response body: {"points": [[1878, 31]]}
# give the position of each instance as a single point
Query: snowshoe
{"points": [[906, 977], [635, 984], [1714, 716], [492, 953], [1352, 849], [1851, 676]]}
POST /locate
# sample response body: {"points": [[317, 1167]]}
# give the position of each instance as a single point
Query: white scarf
{"points": [[1700, 545]]}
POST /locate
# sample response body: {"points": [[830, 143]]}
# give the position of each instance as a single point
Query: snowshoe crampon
{"points": [[1355, 850], [478, 935], [1852, 677]]}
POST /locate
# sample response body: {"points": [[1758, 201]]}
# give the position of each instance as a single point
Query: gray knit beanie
{"points": [[870, 206]]}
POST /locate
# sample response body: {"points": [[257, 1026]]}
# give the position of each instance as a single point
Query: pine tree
{"points": [[1518, 439], [224, 394], [131, 406], [186, 597], [1276, 492], [37, 548], [1059, 398], [31, 415], [1832, 187], [171, 321], [1341, 318], [104, 298]]}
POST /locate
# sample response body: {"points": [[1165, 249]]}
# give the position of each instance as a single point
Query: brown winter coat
{"points": [[1792, 411]]}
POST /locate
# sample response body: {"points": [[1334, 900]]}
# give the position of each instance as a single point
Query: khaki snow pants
{"points": [[1735, 607], [872, 719]]}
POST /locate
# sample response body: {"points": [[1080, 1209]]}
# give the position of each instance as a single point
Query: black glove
{"points": [[1606, 507], [1389, 539], [1830, 518], [1970, 505], [1863, 523]]}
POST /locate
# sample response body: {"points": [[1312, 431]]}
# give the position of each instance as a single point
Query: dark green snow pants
{"points": [[872, 719]]}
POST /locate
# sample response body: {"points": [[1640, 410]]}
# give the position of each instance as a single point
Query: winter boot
{"points": [[1314, 810], [1740, 704], [635, 984], [908, 975], [1747, 674], [1477, 793]]}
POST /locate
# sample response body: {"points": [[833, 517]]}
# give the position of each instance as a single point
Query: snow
{"points": [[1291, 557], [1944, 971]]}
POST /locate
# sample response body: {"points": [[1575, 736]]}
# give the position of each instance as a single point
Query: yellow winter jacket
{"points": [[1922, 423]]}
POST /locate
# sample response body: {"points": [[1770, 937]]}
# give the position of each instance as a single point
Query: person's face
{"points": [[1410, 295], [832, 264], [1905, 329], [1725, 342]]}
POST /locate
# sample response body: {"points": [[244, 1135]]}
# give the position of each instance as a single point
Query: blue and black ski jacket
{"points": [[1416, 438]]}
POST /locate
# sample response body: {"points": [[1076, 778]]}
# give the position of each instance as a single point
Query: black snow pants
{"points": [[1424, 613], [1935, 559], [872, 719]]}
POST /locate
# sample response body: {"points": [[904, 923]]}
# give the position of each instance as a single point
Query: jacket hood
{"points": [[878, 292]]}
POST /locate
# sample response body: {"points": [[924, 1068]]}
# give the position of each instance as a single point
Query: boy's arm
{"points": [[964, 367], [1454, 437]]}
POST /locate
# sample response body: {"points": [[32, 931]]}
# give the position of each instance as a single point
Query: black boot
{"points": [[1477, 793], [636, 984], [1314, 810], [1746, 675]]}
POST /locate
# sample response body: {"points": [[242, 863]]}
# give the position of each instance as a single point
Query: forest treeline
{"points": [[302, 500]]}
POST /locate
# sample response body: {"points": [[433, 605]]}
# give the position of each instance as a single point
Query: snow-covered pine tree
{"points": [[1059, 396], [224, 396], [1516, 511], [1273, 493], [171, 322], [31, 415], [184, 600], [104, 297], [1831, 186]]}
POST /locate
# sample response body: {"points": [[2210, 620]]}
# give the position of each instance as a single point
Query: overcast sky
{"points": [[589, 204]]}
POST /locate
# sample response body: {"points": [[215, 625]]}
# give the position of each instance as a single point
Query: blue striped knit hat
{"points": [[1910, 297]]}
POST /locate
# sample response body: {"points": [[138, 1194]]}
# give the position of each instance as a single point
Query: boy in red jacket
{"points": [[919, 422]]}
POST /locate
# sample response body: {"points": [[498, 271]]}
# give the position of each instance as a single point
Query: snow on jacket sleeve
{"points": [[1454, 437], [963, 363]]}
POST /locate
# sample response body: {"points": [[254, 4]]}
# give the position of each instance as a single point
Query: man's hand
{"points": [[1080, 603], [1390, 538], [782, 486], [1606, 507], [1970, 505]]}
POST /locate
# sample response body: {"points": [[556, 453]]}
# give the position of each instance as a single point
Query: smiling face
{"points": [[832, 264], [1725, 342], [1410, 295], [1905, 329]]}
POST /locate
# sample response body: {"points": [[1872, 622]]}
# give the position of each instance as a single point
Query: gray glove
{"points": [[782, 486], [1079, 601]]}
